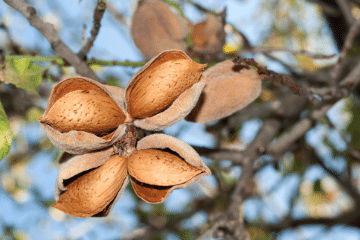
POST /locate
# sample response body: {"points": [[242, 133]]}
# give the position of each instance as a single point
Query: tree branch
{"points": [[98, 14], [231, 224], [346, 10], [350, 38], [52, 36]]}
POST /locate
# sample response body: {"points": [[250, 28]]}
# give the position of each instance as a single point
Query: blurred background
{"points": [[309, 192]]}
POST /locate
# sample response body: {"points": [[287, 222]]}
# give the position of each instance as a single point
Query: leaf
{"points": [[307, 63], [23, 73], [6, 134]]}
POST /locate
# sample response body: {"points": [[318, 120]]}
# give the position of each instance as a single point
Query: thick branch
{"points": [[231, 224]]}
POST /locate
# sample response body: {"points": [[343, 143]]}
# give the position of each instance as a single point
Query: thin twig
{"points": [[346, 10], [53, 38], [350, 37], [92, 61], [115, 63], [118, 16], [352, 151], [98, 15], [293, 52], [270, 75]]}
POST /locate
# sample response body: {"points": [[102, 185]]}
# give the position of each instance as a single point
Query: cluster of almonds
{"points": [[102, 130], [155, 28]]}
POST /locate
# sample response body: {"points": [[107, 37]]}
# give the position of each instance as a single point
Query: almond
{"points": [[226, 91], [158, 87], [85, 110], [155, 28], [95, 190], [160, 168]]}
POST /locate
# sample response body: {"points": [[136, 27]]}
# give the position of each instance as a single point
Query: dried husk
{"points": [[147, 96], [91, 193], [155, 28], [79, 142], [154, 193], [226, 91]]}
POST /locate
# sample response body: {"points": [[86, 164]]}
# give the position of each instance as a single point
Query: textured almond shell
{"points": [[85, 110], [155, 28], [93, 192], [70, 166], [225, 92], [160, 168], [157, 194], [79, 142], [158, 87]]}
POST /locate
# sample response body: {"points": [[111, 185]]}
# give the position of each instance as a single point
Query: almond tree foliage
{"points": [[286, 166]]}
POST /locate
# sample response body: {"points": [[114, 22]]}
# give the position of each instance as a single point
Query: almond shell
{"points": [[79, 142], [156, 194], [159, 87], [155, 28], [160, 168], [179, 108], [92, 193], [85, 110]]}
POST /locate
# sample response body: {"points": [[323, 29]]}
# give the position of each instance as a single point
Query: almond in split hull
{"points": [[160, 168], [158, 88], [85, 110], [92, 192]]}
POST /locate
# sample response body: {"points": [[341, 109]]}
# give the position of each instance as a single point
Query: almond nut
{"points": [[159, 87], [226, 91], [155, 28], [95, 190], [85, 110], [160, 168]]}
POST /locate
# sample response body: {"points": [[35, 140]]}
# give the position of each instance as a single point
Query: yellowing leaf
{"points": [[307, 63], [228, 48]]}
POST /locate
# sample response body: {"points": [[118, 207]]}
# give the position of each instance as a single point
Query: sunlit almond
{"points": [[160, 168], [158, 87], [84, 110]]}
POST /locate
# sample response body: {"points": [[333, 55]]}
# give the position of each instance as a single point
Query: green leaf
{"points": [[6, 135], [23, 73], [21, 65]]}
